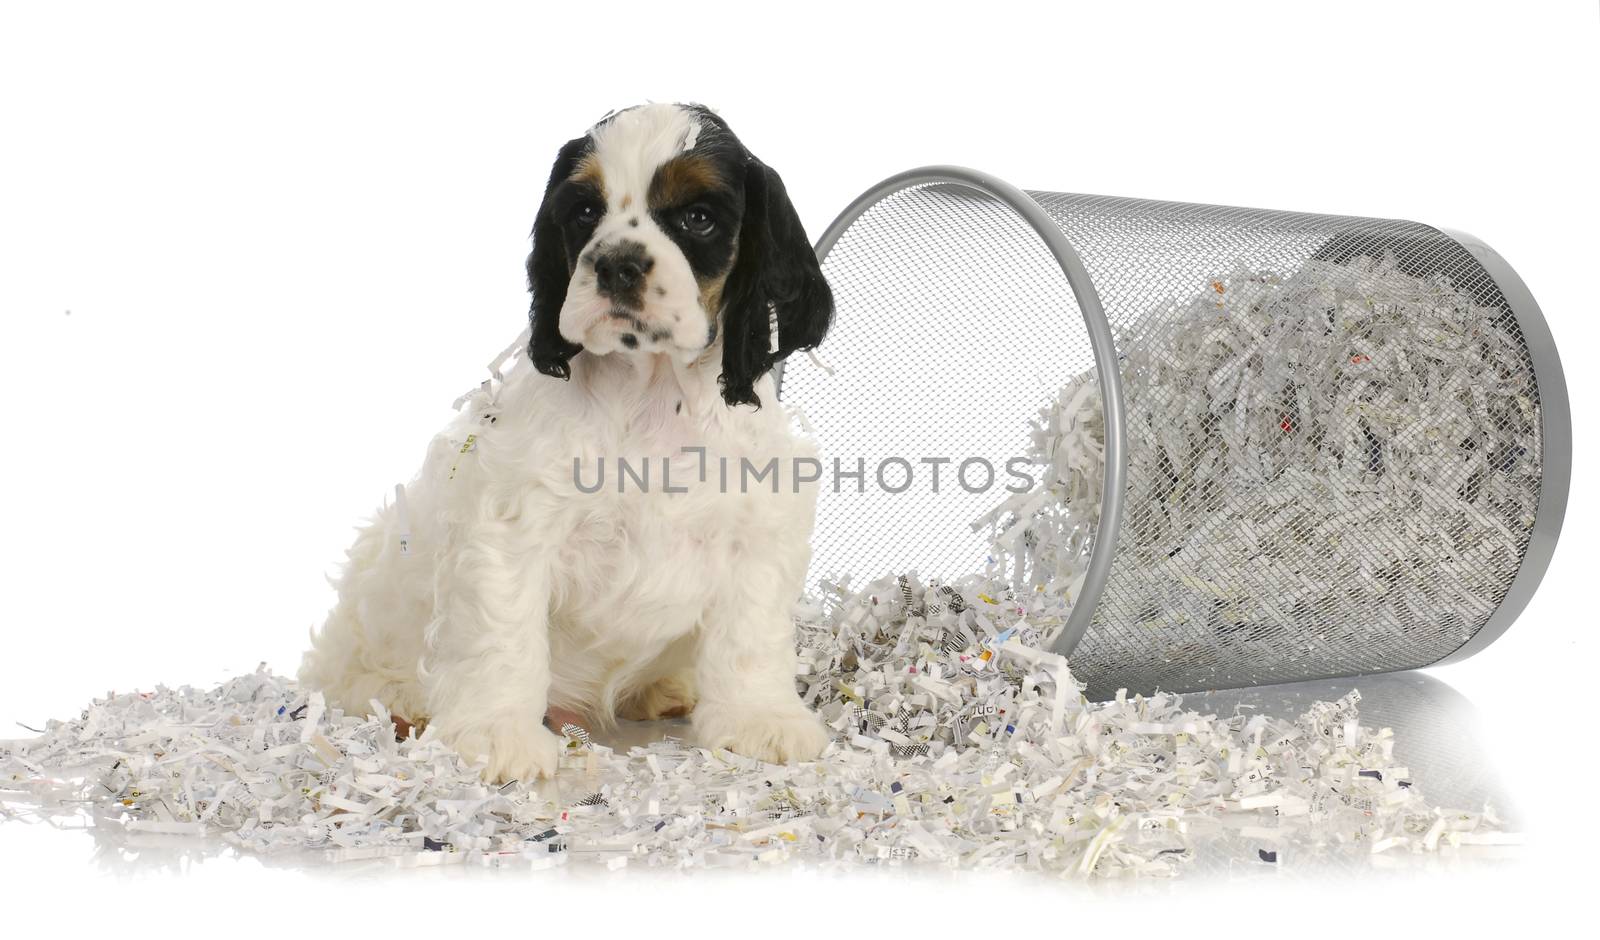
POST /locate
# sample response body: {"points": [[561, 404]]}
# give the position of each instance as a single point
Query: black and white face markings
{"points": [[661, 234], [650, 216]]}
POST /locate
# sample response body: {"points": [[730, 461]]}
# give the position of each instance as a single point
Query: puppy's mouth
{"points": [[630, 317], [636, 333]]}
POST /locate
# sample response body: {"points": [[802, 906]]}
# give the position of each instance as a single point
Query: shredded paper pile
{"points": [[956, 746], [958, 741]]}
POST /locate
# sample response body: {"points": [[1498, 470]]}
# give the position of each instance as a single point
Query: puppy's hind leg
{"points": [[367, 649], [667, 687], [671, 696]]}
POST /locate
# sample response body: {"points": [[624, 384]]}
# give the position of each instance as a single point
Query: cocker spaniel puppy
{"points": [[621, 528]]}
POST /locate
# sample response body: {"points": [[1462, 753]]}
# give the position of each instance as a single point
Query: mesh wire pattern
{"points": [[1318, 517], [954, 325]]}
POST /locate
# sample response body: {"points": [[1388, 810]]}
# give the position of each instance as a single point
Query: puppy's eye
{"points": [[697, 221], [586, 213]]}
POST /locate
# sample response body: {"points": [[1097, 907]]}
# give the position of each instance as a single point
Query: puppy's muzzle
{"points": [[620, 270]]}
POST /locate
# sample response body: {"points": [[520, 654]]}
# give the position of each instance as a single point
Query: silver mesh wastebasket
{"points": [[1325, 446]]}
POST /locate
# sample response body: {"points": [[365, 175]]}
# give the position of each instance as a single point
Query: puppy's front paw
{"points": [[512, 749], [777, 735]]}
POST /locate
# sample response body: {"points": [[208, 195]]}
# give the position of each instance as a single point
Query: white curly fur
{"points": [[521, 593]]}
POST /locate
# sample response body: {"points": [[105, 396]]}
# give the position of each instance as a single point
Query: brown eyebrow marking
{"points": [[682, 179], [588, 171]]}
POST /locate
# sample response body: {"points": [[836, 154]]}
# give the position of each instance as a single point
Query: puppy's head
{"points": [[660, 233]]}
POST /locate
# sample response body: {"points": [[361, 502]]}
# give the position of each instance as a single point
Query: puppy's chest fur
{"points": [[640, 556], [626, 547]]}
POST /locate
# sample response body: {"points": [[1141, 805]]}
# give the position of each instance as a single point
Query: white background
{"points": [[249, 255]]}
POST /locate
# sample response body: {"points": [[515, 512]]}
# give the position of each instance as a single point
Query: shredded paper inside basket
{"points": [[1348, 445], [958, 741]]}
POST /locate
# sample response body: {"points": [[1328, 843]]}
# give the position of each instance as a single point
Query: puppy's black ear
{"points": [[775, 271], [548, 274]]}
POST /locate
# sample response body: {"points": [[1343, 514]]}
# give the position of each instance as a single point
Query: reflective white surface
{"points": [[1437, 737]]}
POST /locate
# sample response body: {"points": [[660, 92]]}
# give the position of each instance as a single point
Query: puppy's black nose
{"points": [[620, 269]]}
